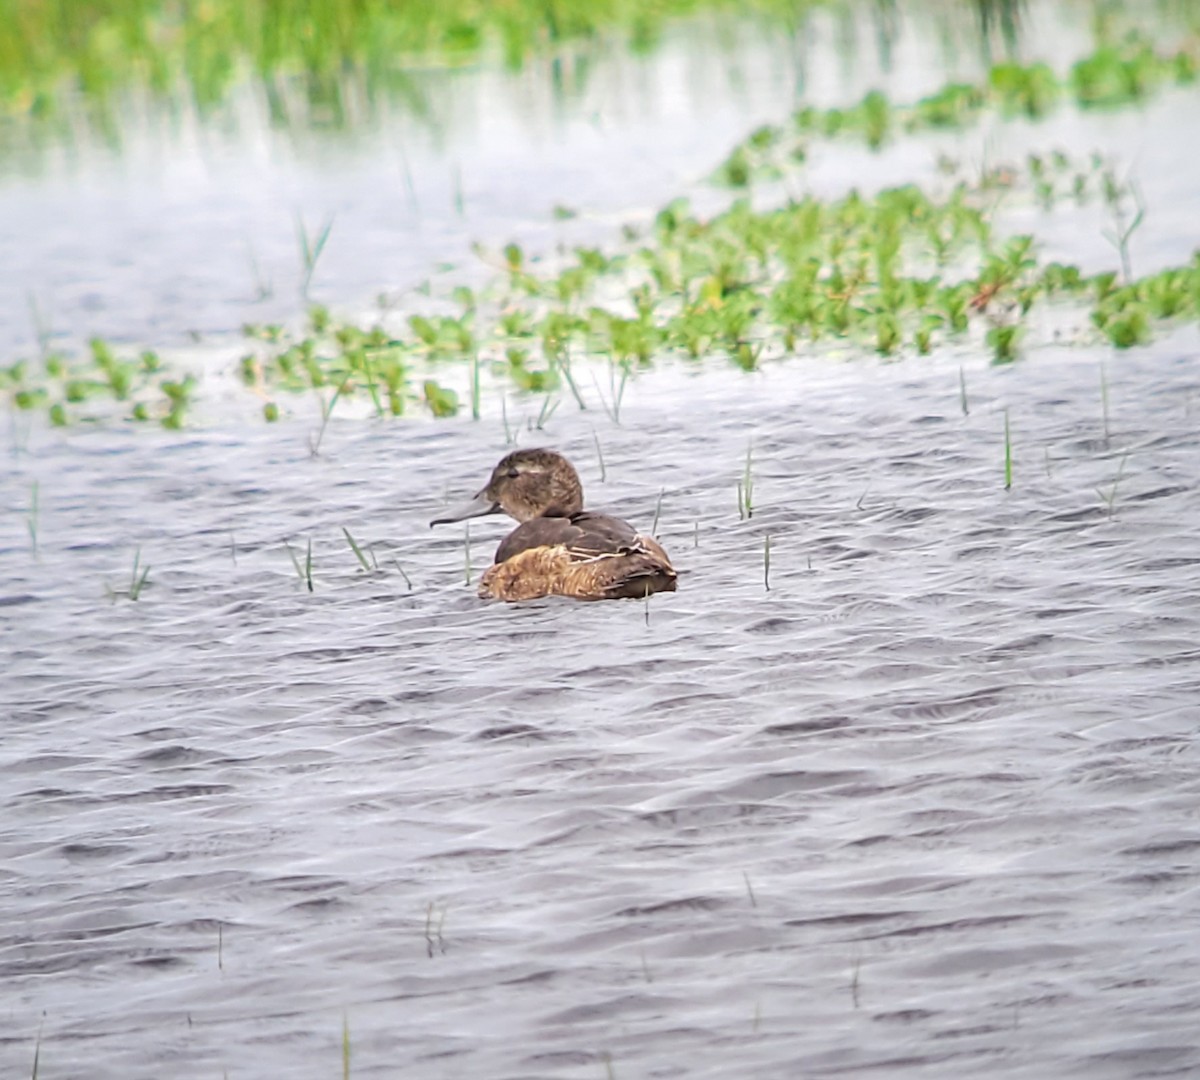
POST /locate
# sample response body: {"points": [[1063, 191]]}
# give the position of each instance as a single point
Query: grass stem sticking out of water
{"points": [[433, 934], [304, 573], [1104, 397], [263, 288], [509, 437], [372, 389], [854, 981], [657, 512], [767, 563], [1121, 233], [314, 445], [618, 393], [37, 1049], [549, 405], [750, 889], [220, 946], [475, 385], [1008, 461], [345, 1047], [137, 582], [467, 550], [31, 523], [1111, 498], [600, 458], [565, 367], [362, 559], [42, 330], [962, 392], [310, 251], [396, 564], [746, 489]]}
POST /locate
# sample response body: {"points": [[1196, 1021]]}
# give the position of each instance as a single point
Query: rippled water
{"points": [[927, 807]]}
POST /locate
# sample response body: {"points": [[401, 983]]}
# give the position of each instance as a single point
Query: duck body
{"points": [[560, 549]]}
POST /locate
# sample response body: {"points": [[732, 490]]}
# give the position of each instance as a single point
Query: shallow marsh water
{"points": [[927, 807], [185, 222]]}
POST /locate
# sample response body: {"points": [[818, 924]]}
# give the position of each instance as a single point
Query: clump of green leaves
{"points": [[98, 384]]}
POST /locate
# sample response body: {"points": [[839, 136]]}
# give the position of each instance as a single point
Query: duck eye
{"points": [[513, 472]]}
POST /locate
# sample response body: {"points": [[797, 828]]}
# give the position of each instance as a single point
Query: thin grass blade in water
{"points": [[1008, 461], [357, 550]]}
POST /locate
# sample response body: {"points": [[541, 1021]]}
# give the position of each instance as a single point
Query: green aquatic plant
{"points": [[358, 553], [745, 488], [37, 1051], [311, 248], [616, 389], [138, 577], [657, 512], [1124, 227], [1104, 398], [341, 56], [1116, 74], [441, 400], [1109, 498], [897, 272], [1008, 455], [1030, 91], [31, 522], [600, 458], [303, 572]]}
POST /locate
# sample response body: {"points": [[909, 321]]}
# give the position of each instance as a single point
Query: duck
{"points": [[559, 548]]}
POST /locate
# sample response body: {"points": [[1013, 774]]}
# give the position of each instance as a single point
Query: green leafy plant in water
{"points": [[1030, 91], [1004, 339], [440, 400]]}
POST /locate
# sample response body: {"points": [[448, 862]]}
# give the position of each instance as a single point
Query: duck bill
{"points": [[480, 506]]}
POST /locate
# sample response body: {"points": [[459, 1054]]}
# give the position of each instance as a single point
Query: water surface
{"points": [[927, 807]]}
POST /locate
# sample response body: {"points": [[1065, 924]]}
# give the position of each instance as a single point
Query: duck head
{"points": [[526, 484]]}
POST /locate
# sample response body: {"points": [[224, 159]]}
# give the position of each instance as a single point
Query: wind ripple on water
{"points": [[925, 806]]}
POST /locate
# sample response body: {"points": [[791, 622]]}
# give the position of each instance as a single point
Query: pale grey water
{"points": [[930, 807]]}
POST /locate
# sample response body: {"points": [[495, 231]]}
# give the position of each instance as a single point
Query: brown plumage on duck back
{"points": [[559, 549]]}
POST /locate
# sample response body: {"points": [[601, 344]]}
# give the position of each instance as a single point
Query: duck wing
{"points": [[585, 536]]}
